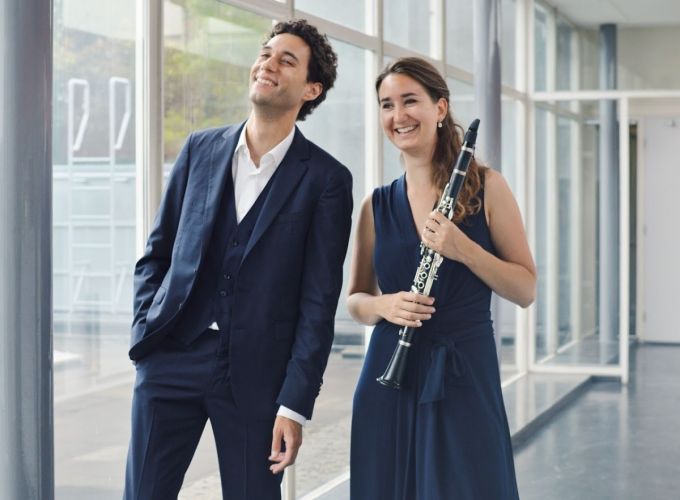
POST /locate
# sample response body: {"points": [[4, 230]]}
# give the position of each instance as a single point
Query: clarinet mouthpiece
{"points": [[471, 134]]}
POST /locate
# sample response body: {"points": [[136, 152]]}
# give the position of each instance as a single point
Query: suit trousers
{"points": [[177, 389]]}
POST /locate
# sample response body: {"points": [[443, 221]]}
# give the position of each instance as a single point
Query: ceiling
{"points": [[626, 13]]}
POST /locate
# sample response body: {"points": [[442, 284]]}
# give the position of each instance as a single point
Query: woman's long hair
{"points": [[449, 136]]}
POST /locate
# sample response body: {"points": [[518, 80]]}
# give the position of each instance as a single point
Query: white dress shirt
{"points": [[249, 182]]}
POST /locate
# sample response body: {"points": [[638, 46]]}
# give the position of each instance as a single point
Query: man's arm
{"points": [[321, 284], [154, 264]]}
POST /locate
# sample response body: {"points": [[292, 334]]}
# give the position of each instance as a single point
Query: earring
{"points": [[439, 124]]}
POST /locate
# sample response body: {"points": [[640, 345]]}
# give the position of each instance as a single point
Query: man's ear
{"points": [[312, 91]]}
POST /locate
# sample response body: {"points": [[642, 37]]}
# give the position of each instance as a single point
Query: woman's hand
{"points": [[445, 238], [406, 308]]}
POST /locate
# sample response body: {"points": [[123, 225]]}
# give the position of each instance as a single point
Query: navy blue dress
{"points": [[444, 436]]}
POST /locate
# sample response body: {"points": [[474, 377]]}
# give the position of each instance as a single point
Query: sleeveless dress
{"points": [[444, 435]]}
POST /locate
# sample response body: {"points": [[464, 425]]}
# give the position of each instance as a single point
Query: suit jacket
{"points": [[289, 282]]}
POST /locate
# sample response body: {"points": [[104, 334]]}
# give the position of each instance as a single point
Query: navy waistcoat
{"points": [[212, 294]]}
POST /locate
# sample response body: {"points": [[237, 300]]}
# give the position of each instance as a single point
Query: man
{"points": [[236, 293]]}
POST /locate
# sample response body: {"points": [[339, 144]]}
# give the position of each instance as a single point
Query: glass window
{"points": [[508, 41], [566, 305], [94, 242], [541, 225], [344, 110], [506, 311], [338, 126], [459, 36], [565, 56], [350, 13], [408, 24], [462, 102], [564, 194], [589, 58], [540, 49], [209, 48], [393, 165]]}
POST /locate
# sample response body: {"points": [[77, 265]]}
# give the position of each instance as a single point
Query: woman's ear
{"points": [[442, 109]]}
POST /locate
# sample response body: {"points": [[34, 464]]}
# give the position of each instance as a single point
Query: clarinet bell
{"points": [[394, 374]]}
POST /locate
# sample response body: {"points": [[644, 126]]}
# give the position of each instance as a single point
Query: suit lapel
{"points": [[220, 166], [288, 175]]}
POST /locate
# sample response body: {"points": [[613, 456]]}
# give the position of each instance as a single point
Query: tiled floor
{"points": [[606, 441], [614, 442]]}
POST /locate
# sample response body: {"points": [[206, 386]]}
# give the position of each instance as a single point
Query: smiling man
{"points": [[236, 293]]}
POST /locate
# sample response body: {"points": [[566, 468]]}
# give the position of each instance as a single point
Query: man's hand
{"points": [[289, 432]]}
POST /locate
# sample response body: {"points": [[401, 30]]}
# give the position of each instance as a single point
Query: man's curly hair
{"points": [[323, 62]]}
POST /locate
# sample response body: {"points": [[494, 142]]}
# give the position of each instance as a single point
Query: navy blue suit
{"points": [[271, 282]]}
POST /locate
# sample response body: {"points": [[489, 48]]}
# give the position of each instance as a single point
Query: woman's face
{"points": [[408, 115]]}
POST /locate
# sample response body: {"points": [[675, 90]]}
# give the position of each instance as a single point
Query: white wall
{"points": [[649, 58]]}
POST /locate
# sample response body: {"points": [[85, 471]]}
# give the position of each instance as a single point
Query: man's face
{"points": [[278, 78]]}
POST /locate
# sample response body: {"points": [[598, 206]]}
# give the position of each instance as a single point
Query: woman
{"points": [[445, 434]]}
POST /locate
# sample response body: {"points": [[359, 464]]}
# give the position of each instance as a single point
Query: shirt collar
{"points": [[272, 157]]}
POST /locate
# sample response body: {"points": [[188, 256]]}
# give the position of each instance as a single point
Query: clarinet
{"points": [[430, 260]]}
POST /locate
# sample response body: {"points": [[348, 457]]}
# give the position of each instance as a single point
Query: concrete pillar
{"points": [[608, 178], [26, 421], [487, 71]]}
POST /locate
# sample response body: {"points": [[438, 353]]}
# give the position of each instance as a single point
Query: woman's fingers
{"points": [[416, 297], [414, 316], [417, 308], [411, 309], [406, 322]]}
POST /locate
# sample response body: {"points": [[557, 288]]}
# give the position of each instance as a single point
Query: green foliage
{"points": [[205, 73]]}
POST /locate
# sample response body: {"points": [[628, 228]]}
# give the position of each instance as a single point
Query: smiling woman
{"points": [[409, 116], [444, 432]]}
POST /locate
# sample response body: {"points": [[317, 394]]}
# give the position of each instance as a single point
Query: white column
{"points": [[149, 115]]}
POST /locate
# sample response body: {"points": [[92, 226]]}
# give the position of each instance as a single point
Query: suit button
{"points": [[223, 293], [227, 276], [235, 243]]}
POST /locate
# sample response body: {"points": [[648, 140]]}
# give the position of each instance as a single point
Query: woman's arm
{"points": [[364, 301], [511, 274]]}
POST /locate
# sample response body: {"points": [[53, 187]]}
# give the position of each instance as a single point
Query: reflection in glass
{"points": [[541, 223], [94, 241], [565, 57], [540, 48], [508, 41], [506, 311], [564, 203], [208, 51], [566, 305], [462, 102], [350, 13], [407, 24], [459, 38]]}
